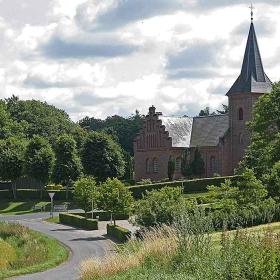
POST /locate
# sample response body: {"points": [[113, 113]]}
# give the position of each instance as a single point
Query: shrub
{"points": [[54, 187], [78, 221], [120, 233], [197, 185], [104, 216]]}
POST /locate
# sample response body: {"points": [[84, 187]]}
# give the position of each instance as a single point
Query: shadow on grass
{"points": [[18, 206]]}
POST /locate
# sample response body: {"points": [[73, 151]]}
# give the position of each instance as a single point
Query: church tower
{"points": [[249, 86]]}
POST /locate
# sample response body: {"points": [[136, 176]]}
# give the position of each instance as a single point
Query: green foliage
{"points": [[67, 166], [11, 158], [264, 150], [39, 159], [115, 197], [171, 168], [78, 221], [272, 180], [160, 207], [102, 157], [186, 168], [119, 233], [197, 165], [196, 185], [85, 193], [121, 129], [128, 170]]}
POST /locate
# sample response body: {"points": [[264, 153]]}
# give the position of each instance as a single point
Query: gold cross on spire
{"points": [[252, 12]]}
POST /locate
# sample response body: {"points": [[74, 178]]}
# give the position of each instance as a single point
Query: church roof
{"points": [[196, 132], [252, 77], [207, 131]]}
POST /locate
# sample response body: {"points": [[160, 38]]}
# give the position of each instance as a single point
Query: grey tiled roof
{"points": [[179, 130], [207, 130], [196, 132], [252, 77]]}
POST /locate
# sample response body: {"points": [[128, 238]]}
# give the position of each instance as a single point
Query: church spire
{"points": [[252, 77]]}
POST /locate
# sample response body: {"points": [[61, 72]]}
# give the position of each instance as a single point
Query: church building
{"points": [[221, 139]]}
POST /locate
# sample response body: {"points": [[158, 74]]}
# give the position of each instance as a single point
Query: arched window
{"points": [[178, 164], [213, 164], [240, 114], [155, 165], [148, 170], [241, 138]]}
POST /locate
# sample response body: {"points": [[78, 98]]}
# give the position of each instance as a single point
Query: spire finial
{"points": [[252, 12]]}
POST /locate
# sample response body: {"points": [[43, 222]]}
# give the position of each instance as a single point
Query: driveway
{"points": [[83, 244]]}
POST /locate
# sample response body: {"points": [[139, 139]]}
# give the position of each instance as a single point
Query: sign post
{"points": [[51, 196]]}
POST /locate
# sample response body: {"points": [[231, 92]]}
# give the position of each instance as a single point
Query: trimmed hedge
{"points": [[119, 233], [28, 194], [78, 221], [196, 185], [106, 216]]}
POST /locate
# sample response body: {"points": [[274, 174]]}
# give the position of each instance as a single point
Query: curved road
{"points": [[83, 244]]}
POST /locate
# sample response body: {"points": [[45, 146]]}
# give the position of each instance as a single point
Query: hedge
{"points": [[105, 216], [28, 194], [119, 233], [78, 221], [196, 185]]}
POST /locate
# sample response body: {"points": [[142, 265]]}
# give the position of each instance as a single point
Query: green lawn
{"points": [[19, 207], [54, 220]]}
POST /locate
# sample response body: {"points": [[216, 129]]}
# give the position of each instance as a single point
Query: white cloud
{"points": [[100, 58]]}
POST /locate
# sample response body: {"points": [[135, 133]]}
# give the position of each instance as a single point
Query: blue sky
{"points": [[99, 58]]}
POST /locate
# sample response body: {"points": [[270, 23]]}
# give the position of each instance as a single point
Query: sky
{"points": [[99, 58]]}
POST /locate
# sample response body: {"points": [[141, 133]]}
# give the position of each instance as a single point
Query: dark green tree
{"points": [[186, 168], [67, 167], [39, 160], [12, 159], [197, 165], [171, 168], [128, 170], [102, 157]]}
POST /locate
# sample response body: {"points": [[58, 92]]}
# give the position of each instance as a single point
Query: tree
{"points": [[171, 168], [224, 110], [197, 165], [128, 171], [264, 150], [67, 167], [102, 157], [206, 112], [115, 197], [186, 168], [86, 193], [159, 207], [12, 159], [39, 159], [272, 180]]}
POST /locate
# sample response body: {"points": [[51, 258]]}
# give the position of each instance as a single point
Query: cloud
{"points": [[58, 48], [195, 61]]}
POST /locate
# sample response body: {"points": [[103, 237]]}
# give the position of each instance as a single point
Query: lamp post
{"points": [[51, 194]]}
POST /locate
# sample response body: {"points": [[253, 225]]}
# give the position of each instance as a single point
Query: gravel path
{"points": [[83, 244]]}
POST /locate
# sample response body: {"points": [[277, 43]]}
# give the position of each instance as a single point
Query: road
{"points": [[83, 244]]}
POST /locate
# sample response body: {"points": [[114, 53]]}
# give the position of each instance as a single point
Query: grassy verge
{"points": [[188, 253], [20, 207], [54, 220], [35, 252]]}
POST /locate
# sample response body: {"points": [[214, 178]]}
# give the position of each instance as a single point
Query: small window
{"points": [[178, 164], [241, 141], [148, 166], [240, 114], [155, 165]]}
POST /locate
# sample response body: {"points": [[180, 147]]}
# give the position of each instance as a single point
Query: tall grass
{"points": [[189, 250]]}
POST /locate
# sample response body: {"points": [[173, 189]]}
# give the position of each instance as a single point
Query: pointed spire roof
{"points": [[252, 77]]}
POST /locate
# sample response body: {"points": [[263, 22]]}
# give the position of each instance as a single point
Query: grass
{"points": [[54, 220], [20, 207], [34, 252], [190, 250]]}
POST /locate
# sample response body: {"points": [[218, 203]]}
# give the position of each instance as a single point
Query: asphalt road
{"points": [[83, 245]]}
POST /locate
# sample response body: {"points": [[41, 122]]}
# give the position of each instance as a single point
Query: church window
{"points": [[213, 164], [155, 165], [241, 138], [178, 164], [148, 166], [240, 114]]}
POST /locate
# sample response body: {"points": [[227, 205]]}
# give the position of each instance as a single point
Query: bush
{"points": [[78, 221], [54, 187], [105, 216], [120, 233], [197, 185]]}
